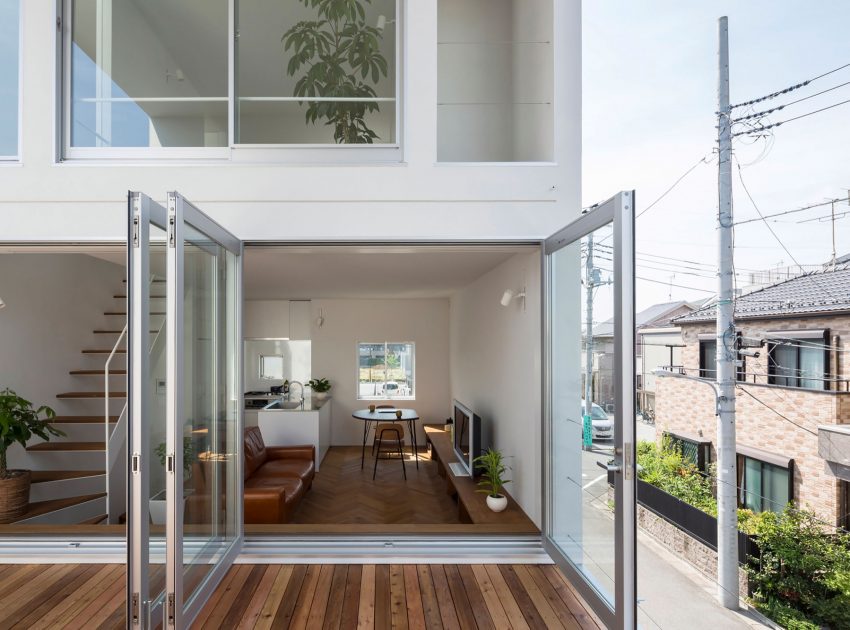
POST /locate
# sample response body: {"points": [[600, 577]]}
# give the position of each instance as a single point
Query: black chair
{"points": [[391, 435]]}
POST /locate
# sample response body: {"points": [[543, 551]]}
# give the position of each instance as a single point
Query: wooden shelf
{"points": [[472, 505]]}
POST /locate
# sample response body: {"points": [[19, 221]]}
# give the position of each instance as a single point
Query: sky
{"points": [[649, 103]]}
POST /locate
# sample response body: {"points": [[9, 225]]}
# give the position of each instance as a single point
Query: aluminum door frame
{"points": [[618, 210], [142, 212], [181, 213]]}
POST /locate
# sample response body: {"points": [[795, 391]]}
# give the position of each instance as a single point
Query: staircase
{"points": [[81, 478]]}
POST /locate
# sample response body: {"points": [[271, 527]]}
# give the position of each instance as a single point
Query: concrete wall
{"points": [[53, 303], [425, 322], [495, 368], [684, 406], [258, 196]]}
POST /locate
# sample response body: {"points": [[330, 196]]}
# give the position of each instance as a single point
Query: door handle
{"points": [[612, 466]]}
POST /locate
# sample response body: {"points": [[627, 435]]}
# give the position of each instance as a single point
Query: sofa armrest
{"points": [[306, 451], [265, 505]]}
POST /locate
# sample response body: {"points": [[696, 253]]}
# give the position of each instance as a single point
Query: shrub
{"points": [[803, 573], [666, 469]]}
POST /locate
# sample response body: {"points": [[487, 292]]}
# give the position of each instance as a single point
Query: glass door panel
{"points": [[590, 361]]}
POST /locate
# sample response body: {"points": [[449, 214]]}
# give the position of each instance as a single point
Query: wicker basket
{"points": [[14, 495]]}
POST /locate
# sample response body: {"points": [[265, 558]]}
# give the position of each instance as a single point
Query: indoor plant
{"points": [[338, 55], [321, 388], [493, 467], [19, 421], [158, 505]]}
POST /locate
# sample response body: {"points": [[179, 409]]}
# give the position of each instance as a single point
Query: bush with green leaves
{"points": [[802, 579], [666, 469], [338, 55], [19, 422]]}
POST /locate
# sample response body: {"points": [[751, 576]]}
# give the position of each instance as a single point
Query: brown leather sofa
{"points": [[276, 478]]}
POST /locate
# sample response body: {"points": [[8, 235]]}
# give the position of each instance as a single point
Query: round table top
{"points": [[385, 414]]}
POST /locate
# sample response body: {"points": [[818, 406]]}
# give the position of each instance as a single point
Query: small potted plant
{"points": [[493, 467], [158, 505], [19, 421], [321, 388]]}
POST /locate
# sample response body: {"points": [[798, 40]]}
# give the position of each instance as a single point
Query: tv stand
{"points": [[472, 504], [458, 469]]}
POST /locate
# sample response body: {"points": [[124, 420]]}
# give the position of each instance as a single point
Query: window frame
{"points": [[232, 152], [741, 460], [16, 157], [799, 344], [740, 370], [703, 449], [412, 345]]}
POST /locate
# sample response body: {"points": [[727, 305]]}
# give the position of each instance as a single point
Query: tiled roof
{"points": [[642, 318], [811, 294]]}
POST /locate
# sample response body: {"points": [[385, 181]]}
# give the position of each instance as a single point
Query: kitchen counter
{"points": [[310, 404], [294, 427]]}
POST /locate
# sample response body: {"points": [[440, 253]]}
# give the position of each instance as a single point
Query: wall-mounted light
{"points": [[320, 320], [177, 74], [2, 303], [510, 295], [382, 22]]}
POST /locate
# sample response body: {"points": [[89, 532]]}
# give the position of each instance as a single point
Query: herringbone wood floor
{"points": [[342, 493]]}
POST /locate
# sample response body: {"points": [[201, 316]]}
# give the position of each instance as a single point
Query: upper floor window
{"points": [[764, 486], [798, 361], [10, 60], [708, 359], [153, 74], [385, 370]]}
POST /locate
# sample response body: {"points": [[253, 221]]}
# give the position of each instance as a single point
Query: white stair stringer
{"points": [[67, 488], [116, 470], [71, 515]]}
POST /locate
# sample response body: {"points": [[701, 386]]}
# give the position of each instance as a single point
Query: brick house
{"points": [[798, 386]]}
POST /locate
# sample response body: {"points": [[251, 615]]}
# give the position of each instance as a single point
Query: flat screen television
{"points": [[466, 438]]}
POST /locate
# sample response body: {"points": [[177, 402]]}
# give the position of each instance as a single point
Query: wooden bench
{"points": [[472, 505]]}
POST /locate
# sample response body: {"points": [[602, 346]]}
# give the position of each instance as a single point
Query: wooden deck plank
{"points": [[461, 601], [540, 603], [430, 607], [261, 593], [448, 614], [84, 617], [516, 619], [305, 598], [275, 596], [382, 597], [319, 605], [526, 605], [69, 607], [491, 598], [18, 600], [581, 611], [413, 597], [333, 613], [476, 599], [366, 612], [244, 596], [212, 602], [351, 601], [398, 598], [286, 609], [565, 615], [53, 596]]}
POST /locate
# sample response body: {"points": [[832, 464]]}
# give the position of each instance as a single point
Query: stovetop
{"points": [[261, 393]]}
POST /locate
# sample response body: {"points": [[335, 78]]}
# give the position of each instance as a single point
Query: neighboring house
{"points": [[796, 388], [653, 321]]}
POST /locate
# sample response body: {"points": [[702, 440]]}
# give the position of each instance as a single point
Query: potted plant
{"points": [[19, 421], [337, 55], [158, 505], [321, 388], [493, 467]]}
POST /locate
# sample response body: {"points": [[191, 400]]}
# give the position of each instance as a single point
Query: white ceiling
{"points": [[367, 272]]}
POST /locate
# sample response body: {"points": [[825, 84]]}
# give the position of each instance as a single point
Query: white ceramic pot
{"points": [[321, 396], [158, 508], [497, 504]]}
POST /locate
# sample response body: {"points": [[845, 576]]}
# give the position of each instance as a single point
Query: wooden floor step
{"points": [[82, 419], [97, 520], [43, 507], [97, 372], [77, 395], [42, 476], [103, 351], [67, 446]]}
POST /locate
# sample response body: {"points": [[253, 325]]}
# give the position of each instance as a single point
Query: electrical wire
{"points": [[782, 122], [781, 415], [786, 212], [767, 112], [789, 89]]}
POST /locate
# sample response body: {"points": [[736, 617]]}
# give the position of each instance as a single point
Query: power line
{"points": [[791, 88], [782, 214], [781, 415], [782, 122], [703, 160], [767, 112]]}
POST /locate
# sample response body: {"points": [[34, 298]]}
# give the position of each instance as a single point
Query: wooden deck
{"points": [[312, 596]]}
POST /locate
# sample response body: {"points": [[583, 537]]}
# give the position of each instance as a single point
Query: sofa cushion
{"points": [[255, 450], [293, 486], [284, 468]]}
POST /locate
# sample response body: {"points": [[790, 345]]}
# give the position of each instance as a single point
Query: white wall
{"points": [[411, 198], [53, 303], [495, 368], [347, 322]]}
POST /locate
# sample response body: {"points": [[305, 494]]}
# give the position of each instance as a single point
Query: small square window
{"points": [[385, 371], [271, 367]]}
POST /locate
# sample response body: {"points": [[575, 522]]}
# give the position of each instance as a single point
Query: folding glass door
{"points": [[184, 511], [590, 522]]}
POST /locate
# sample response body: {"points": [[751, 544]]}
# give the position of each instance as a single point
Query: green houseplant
{"points": [[337, 55], [157, 503], [321, 388], [19, 421], [492, 464]]}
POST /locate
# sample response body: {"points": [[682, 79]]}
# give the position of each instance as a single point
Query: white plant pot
{"points": [[497, 504], [158, 508], [321, 396]]}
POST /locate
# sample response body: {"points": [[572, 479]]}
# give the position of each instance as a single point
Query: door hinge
{"points": [[171, 609], [171, 228], [135, 231], [134, 463], [134, 608]]}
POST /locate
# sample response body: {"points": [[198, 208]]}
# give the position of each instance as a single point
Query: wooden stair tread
{"points": [[82, 419], [97, 520], [41, 476], [43, 507], [67, 446], [67, 395], [103, 351], [97, 372]]}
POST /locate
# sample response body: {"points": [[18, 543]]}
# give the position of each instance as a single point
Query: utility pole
{"points": [[727, 356], [589, 284]]}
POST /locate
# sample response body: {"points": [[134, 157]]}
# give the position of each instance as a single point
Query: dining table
{"points": [[369, 416]]}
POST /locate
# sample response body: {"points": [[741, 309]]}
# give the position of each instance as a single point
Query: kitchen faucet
{"points": [[301, 385]]}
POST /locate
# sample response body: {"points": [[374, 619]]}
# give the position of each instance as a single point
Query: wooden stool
{"points": [[392, 433]]}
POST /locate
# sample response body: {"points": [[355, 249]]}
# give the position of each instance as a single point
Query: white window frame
{"points": [[16, 157], [412, 395], [233, 152]]}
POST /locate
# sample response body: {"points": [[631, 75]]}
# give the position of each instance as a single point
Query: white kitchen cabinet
{"points": [[300, 319], [294, 427], [266, 319]]}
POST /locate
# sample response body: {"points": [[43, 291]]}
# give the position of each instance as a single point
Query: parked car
{"points": [[602, 426]]}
